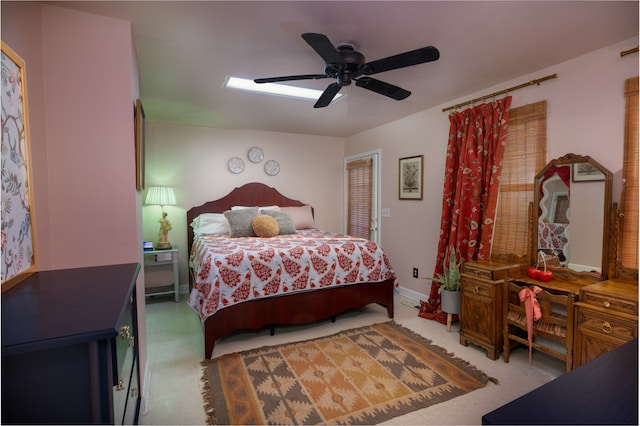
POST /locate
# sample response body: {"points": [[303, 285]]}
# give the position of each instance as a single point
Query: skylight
{"points": [[275, 89]]}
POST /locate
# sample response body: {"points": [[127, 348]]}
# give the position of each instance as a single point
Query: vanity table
{"points": [[574, 225]]}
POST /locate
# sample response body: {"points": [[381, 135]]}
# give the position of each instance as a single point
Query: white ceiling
{"points": [[187, 49]]}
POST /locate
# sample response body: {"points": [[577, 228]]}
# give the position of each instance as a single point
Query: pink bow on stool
{"points": [[531, 310]]}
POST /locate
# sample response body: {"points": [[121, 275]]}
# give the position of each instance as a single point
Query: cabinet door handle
{"points": [[134, 392], [120, 385], [476, 290], [606, 327]]}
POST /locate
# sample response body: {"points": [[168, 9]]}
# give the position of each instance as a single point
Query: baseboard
{"points": [[144, 404], [413, 296]]}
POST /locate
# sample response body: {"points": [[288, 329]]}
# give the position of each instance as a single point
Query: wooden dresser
{"points": [[69, 347], [481, 306], [606, 317]]}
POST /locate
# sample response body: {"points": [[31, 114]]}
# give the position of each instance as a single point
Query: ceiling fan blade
{"points": [[327, 96], [407, 59], [323, 47], [290, 78], [382, 88]]}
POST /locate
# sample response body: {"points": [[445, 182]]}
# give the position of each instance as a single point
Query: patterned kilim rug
{"points": [[362, 376]]}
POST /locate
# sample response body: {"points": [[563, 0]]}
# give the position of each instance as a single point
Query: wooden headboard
{"points": [[251, 194]]}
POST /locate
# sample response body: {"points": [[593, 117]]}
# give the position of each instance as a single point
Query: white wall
{"points": [[194, 161], [585, 115]]}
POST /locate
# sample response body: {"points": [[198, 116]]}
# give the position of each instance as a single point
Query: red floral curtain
{"points": [[471, 185]]}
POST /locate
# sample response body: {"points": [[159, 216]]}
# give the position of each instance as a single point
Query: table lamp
{"points": [[162, 196]]}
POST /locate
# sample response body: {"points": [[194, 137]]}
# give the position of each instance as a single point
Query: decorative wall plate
{"points": [[255, 154], [235, 165], [272, 167]]}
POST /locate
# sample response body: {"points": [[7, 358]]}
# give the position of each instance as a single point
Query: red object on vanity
{"points": [[545, 276], [534, 273]]}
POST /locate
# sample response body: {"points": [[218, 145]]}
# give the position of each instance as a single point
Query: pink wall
{"points": [[585, 115], [88, 100], [81, 83]]}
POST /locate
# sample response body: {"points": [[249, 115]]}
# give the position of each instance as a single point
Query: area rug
{"points": [[361, 376]]}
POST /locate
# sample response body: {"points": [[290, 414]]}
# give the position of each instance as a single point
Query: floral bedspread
{"points": [[233, 270], [552, 235]]}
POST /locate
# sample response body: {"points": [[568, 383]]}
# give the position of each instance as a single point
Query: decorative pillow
{"points": [[240, 221], [265, 226], [284, 221], [211, 224], [302, 216]]}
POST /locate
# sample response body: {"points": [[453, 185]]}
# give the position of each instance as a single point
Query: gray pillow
{"points": [[284, 221], [240, 221]]}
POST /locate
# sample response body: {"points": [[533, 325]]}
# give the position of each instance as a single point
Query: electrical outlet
{"points": [[415, 272]]}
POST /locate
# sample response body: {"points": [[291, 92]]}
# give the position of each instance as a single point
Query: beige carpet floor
{"points": [[175, 350]]}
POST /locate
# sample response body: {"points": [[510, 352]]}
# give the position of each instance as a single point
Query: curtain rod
{"points": [[629, 52], [505, 91]]}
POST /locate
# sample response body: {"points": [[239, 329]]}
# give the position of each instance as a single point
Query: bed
{"points": [[256, 309]]}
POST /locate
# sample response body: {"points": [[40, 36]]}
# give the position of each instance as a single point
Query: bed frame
{"points": [[291, 309]]}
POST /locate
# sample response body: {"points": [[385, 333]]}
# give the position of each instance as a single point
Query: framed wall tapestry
{"points": [[138, 112], [410, 178], [18, 227]]}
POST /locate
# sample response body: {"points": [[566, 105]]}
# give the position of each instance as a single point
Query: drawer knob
{"points": [[606, 327], [606, 304], [476, 290], [125, 332]]}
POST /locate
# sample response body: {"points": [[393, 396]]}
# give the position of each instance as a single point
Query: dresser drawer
{"points": [[477, 286], [611, 303], [606, 323], [491, 270], [474, 271]]}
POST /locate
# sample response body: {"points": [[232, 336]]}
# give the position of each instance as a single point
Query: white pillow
{"points": [[302, 216], [211, 224]]}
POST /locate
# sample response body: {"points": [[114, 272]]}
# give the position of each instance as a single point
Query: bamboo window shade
{"points": [[628, 250], [525, 154], [360, 181]]}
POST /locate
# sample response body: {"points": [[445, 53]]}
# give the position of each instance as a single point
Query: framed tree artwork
{"points": [[410, 177], [138, 112], [18, 227]]}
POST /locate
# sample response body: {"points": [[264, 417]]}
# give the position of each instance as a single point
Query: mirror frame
{"points": [[566, 273]]}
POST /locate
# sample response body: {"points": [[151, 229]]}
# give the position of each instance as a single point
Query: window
{"points": [[628, 250], [360, 188], [524, 155]]}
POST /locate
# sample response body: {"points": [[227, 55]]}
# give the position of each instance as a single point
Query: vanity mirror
{"points": [[572, 199]]}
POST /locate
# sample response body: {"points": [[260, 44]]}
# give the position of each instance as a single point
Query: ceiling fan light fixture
{"points": [[274, 89]]}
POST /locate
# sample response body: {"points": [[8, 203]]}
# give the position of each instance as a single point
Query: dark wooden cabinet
{"points": [[606, 317], [69, 347], [481, 306]]}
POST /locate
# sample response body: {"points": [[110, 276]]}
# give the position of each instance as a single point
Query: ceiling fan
{"points": [[345, 65]]}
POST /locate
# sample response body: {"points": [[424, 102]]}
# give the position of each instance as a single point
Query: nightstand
{"points": [[163, 258]]}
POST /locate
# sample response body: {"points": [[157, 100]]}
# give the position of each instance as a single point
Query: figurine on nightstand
{"points": [[163, 234]]}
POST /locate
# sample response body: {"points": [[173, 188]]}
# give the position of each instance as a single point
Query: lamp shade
{"points": [[161, 195]]}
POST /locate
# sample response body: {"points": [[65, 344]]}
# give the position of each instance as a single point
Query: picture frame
{"points": [[582, 172], [410, 176], [19, 253], [139, 127]]}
